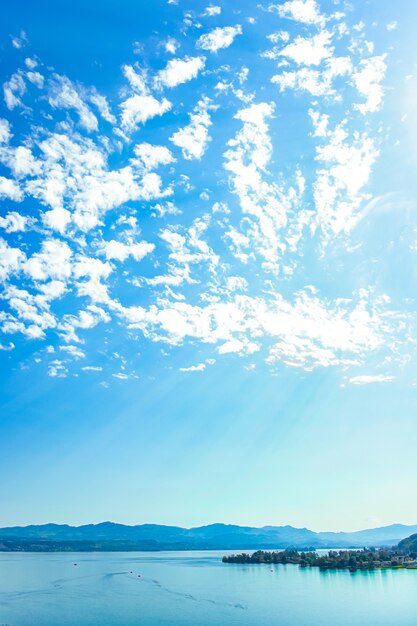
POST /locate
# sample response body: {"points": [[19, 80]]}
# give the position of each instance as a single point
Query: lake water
{"points": [[195, 589]]}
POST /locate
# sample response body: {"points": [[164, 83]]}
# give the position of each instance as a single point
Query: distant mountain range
{"points": [[110, 536]]}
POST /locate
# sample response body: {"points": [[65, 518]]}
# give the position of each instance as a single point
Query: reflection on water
{"points": [[195, 589]]}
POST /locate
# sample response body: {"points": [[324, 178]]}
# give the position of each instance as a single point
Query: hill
{"points": [[409, 545], [108, 535]]}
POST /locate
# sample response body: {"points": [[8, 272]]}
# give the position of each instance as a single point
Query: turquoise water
{"points": [[195, 589]]}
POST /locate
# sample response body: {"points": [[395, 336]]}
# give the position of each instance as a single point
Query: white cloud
{"points": [[152, 187], [103, 107], [7, 347], [171, 45], [31, 309], [31, 63], [75, 182], [338, 189], [188, 252], [151, 156], [237, 283], [14, 222], [57, 369], [317, 83], [57, 219], [304, 11], [278, 36], [52, 289], [179, 71], [36, 79], [5, 132], [11, 259], [193, 139], [74, 351], [13, 89], [370, 379], [139, 109], [20, 161], [309, 51], [94, 274], [238, 346], [10, 189], [212, 10], [367, 80], [53, 261], [21, 41], [124, 376], [306, 333], [264, 204], [121, 251], [84, 320], [64, 95], [168, 208], [137, 79], [219, 38], [194, 368]]}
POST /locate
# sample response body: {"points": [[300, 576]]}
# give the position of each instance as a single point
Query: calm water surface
{"points": [[195, 589]]}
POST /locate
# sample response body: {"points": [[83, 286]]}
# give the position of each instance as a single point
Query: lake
{"points": [[195, 589]]}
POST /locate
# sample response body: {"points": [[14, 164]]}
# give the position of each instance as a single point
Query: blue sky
{"points": [[208, 246]]}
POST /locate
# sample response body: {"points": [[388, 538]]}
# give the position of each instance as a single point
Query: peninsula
{"points": [[403, 556]]}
